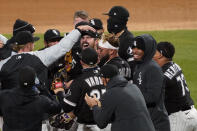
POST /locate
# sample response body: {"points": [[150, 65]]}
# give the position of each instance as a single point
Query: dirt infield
{"points": [[145, 14]]}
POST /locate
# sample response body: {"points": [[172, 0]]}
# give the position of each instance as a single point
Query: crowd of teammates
{"points": [[90, 81]]}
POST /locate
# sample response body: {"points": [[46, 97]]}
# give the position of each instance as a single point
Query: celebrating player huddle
{"points": [[91, 81]]}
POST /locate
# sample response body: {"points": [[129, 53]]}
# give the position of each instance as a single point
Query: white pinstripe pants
{"points": [[184, 120]]}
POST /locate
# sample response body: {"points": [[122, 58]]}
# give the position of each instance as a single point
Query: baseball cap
{"points": [[89, 56], [27, 76], [118, 12], [96, 23], [21, 25], [90, 33], [166, 49], [24, 37], [139, 43], [81, 23], [52, 34], [109, 71]]}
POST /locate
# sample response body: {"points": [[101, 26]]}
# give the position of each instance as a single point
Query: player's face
{"points": [[102, 52], [31, 46], [87, 41], [137, 54], [104, 81], [157, 57]]}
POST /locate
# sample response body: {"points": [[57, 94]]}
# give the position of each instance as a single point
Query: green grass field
{"points": [[185, 42]]}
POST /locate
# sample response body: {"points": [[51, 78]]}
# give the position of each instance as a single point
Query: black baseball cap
{"points": [[96, 23], [109, 71], [21, 25], [24, 37], [166, 49], [52, 35], [118, 12], [27, 76], [90, 33], [139, 43], [89, 56]]}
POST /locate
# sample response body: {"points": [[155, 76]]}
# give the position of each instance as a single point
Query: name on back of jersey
{"points": [[94, 81], [172, 71]]}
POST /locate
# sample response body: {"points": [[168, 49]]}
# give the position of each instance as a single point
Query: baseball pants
{"points": [[184, 120], [1, 123]]}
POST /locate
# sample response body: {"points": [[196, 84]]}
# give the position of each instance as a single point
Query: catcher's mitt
{"points": [[62, 121]]}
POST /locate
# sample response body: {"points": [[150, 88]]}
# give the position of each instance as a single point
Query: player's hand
{"points": [[86, 28], [97, 100], [57, 86], [90, 101]]}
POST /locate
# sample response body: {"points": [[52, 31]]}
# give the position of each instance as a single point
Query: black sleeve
{"points": [[69, 101], [50, 106], [103, 115]]}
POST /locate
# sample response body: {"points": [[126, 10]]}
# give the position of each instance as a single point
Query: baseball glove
{"points": [[62, 121]]}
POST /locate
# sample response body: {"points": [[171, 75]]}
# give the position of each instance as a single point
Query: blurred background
{"points": [[144, 14]]}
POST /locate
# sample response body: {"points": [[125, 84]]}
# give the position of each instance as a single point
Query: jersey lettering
{"points": [[97, 93], [172, 71], [94, 81], [182, 81], [125, 72]]}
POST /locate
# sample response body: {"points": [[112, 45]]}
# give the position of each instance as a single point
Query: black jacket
{"points": [[148, 77], [38, 60], [125, 49], [124, 106], [23, 109]]}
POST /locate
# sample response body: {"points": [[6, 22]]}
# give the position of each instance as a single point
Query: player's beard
{"points": [[103, 60]]}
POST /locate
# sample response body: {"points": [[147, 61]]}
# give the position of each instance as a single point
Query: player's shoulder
{"points": [[171, 70]]}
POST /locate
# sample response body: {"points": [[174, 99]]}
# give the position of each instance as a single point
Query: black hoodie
{"points": [[148, 77], [23, 109], [124, 106]]}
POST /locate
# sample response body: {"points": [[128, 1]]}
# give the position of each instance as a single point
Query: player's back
{"points": [[88, 82], [177, 95]]}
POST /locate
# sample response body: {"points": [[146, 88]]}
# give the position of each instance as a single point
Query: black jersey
{"points": [[123, 67], [177, 95], [88, 82]]}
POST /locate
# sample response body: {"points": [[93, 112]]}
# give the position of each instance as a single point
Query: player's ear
{"points": [[160, 56]]}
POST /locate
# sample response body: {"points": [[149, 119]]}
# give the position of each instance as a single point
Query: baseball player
{"points": [[39, 60], [73, 65], [108, 54], [88, 82], [148, 76], [117, 24], [178, 102]]}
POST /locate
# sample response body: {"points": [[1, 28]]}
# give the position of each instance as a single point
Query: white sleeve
{"points": [[3, 39], [53, 53]]}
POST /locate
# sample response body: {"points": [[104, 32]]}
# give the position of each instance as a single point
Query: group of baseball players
{"points": [[88, 80]]}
